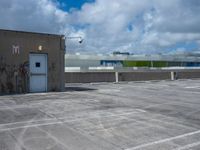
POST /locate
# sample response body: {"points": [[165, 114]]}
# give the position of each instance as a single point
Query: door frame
{"points": [[46, 56]]}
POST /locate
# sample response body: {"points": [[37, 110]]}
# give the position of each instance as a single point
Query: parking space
{"points": [[154, 115]]}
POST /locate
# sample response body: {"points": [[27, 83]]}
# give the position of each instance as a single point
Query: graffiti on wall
{"points": [[13, 78], [15, 49]]}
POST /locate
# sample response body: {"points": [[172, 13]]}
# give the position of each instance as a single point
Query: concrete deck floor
{"points": [[161, 115]]}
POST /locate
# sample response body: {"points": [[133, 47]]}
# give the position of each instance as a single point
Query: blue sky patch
{"points": [[67, 5]]}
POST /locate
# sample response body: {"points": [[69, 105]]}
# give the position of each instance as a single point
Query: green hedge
{"points": [[136, 63], [160, 64], [145, 64]]}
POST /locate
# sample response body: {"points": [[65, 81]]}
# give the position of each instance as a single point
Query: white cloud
{"points": [[32, 15], [138, 26], [156, 24]]}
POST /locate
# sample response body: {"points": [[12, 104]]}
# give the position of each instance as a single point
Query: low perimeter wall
{"points": [[88, 77]]}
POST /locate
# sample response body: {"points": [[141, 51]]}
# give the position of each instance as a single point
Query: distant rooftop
{"points": [[157, 57]]}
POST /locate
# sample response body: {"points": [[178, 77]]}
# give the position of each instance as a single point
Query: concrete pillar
{"points": [[173, 75], [116, 77]]}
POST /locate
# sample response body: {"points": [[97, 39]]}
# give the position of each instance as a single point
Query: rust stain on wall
{"points": [[13, 77]]}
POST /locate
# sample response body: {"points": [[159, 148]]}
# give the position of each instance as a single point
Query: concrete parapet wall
{"points": [[143, 76], [188, 74], [88, 77]]}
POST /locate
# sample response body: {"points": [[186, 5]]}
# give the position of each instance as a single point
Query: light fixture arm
{"points": [[78, 37]]}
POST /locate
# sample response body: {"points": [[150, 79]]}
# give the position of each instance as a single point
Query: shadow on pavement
{"points": [[79, 89]]}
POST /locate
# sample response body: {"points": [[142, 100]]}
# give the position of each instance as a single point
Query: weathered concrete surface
{"points": [[144, 76], [88, 77], [136, 75], [14, 67], [130, 116]]}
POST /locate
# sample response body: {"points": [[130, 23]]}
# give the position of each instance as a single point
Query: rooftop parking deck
{"points": [[162, 115]]}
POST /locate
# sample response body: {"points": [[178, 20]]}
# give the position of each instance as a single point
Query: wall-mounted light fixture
{"points": [[40, 48], [80, 39]]}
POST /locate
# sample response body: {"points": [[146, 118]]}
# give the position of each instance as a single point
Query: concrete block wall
{"points": [[14, 67], [88, 77], [188, 74], [143, 76]]}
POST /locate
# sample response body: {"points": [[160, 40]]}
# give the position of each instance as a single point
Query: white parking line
{"points": [[27, 122], [30, 126], [42, 122], [163, 140], [188, 146], [54, 138], [192, 87]]}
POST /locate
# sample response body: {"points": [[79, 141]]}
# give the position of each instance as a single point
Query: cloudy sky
{"points": [[136, 26]]}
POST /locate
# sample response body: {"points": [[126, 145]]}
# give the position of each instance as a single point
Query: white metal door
{"points": [[38, 72]]}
